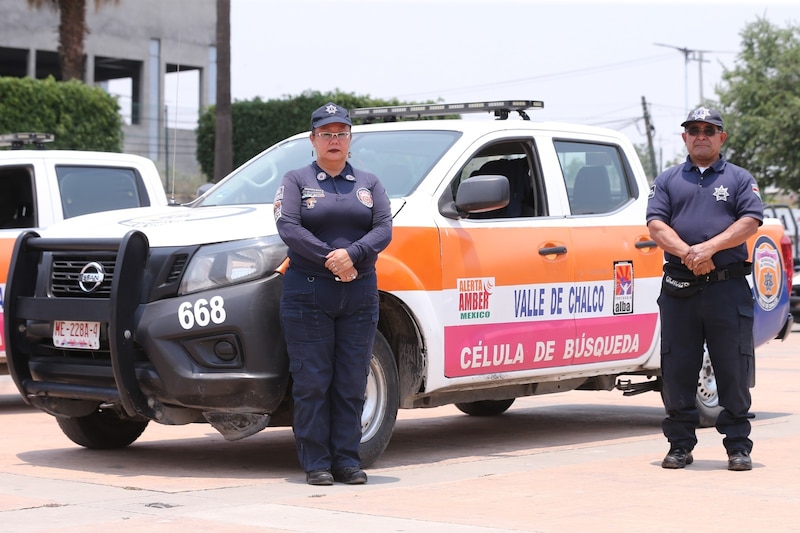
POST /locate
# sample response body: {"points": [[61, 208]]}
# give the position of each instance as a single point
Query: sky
{"points": [[591, 62]]}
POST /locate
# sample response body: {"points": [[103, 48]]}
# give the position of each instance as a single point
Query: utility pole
{"points": [[700, 72], [689, 55], [650, 149]]}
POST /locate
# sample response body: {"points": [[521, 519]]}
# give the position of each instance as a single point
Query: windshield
{"points": [[400, 159]]}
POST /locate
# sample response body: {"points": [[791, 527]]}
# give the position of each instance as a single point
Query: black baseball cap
{"points": [[703, 114], [328, 114]]}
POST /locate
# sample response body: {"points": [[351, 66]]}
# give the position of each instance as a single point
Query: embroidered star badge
{"points": [[701, 113], [331, 110], [721, 194]]}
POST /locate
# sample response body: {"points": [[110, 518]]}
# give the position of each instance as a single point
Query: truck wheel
{"points": [[101, 430], [707, 394], [381, 403], [485, 407]]}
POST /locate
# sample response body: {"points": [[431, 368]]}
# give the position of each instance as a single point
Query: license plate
{"points": [[76, 334]]}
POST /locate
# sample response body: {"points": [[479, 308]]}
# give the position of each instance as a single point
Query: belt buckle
{"points": [[723, 275]]}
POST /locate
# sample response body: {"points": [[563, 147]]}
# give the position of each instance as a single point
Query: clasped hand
{"points": [[339, 262], [698, 260]]}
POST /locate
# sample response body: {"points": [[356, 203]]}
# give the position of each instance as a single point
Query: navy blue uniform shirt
{"points": [[701, 206], [317, 213]]}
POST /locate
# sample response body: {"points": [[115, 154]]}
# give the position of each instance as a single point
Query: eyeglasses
{"points": [[329, 136], [708, 131]]}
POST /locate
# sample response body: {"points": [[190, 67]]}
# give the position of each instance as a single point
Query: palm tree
{"points": [[223, 122], [72, 30]]}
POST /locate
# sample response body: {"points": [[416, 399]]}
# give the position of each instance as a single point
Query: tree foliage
{"points": [[258, 124], [72, 31], [643, 151], [760, 102], [80, 117]]}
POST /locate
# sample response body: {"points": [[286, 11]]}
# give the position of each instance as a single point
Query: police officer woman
{"points": [[701, 214], [335, 219]]}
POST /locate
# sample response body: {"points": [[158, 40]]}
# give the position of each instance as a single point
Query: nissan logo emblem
{"points": [[91, 277]]}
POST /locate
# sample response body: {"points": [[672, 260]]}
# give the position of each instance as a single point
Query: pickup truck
{"points": [[41, 187], [520, 265], [790, 217]]}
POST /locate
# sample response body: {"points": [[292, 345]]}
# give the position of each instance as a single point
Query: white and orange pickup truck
{"points": [[520, 265], [41, 187]]}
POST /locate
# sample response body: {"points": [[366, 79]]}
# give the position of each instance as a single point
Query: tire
{"points": [[485, 407], [381, 404], [707, 394], [101, 430]]}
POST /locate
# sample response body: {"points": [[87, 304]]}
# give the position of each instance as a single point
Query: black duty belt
{"points": [[736, 270]]}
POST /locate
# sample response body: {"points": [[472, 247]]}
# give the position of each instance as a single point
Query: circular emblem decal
{"points": [[364, 196], [91, 277], [767, 268]]}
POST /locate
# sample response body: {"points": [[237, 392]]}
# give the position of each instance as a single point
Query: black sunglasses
{"points": [[708, 131]]}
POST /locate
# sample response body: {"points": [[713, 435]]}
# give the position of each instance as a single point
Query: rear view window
{"points": [[16, 198], [93, 189], [595, 175]]}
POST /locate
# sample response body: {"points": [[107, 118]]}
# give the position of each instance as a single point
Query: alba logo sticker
{"points": [[623, 287]]}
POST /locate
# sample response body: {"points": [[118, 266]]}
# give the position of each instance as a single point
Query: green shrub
{"points": [[258, 124], [79, 116]]}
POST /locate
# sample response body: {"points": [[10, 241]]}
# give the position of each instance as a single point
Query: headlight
{"points": [[228, 263]]}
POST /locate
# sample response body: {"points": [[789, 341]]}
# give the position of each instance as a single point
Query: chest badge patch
{"points": [[721, 194], [365, 196]]}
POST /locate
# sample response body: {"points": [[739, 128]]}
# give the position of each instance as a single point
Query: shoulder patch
{"points": [[365, 196]]}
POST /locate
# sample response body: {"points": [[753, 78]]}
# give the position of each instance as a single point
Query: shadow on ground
{"points": [[199, 452]]}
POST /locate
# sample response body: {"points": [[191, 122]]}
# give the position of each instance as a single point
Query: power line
{"points": [[554, 75], [691, 55]]}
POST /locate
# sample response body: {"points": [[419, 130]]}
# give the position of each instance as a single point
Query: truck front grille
{"points": [[85, 276]]}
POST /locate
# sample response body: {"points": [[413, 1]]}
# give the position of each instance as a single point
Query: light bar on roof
{"points": [[17, 140], [499, 108]]}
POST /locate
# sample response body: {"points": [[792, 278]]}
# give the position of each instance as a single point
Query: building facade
{"points": [[157, 56]]}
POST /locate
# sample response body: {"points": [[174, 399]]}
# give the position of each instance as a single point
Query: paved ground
{"points": [[578, 461]]}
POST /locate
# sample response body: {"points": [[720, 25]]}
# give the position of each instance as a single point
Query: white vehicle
{"points": [[520, 264], [41, 187]]}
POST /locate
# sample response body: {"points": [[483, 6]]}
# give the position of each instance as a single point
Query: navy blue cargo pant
{"points": [[721, 314], [329, 328]]}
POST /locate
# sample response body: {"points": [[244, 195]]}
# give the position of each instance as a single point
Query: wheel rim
{"points": [[707, 392], [374, 401]]}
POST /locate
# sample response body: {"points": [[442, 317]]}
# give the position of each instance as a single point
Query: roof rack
{"points": [[17, 140], [501, 109]]}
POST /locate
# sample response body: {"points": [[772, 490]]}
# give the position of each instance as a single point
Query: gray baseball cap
{"points": [[703, 114]]}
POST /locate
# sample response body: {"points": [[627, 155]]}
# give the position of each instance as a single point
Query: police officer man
{"points": [[701, 214], [335, 219]]}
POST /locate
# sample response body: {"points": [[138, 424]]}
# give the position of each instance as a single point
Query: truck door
{"points": [[614, 296], [506, 274]]}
